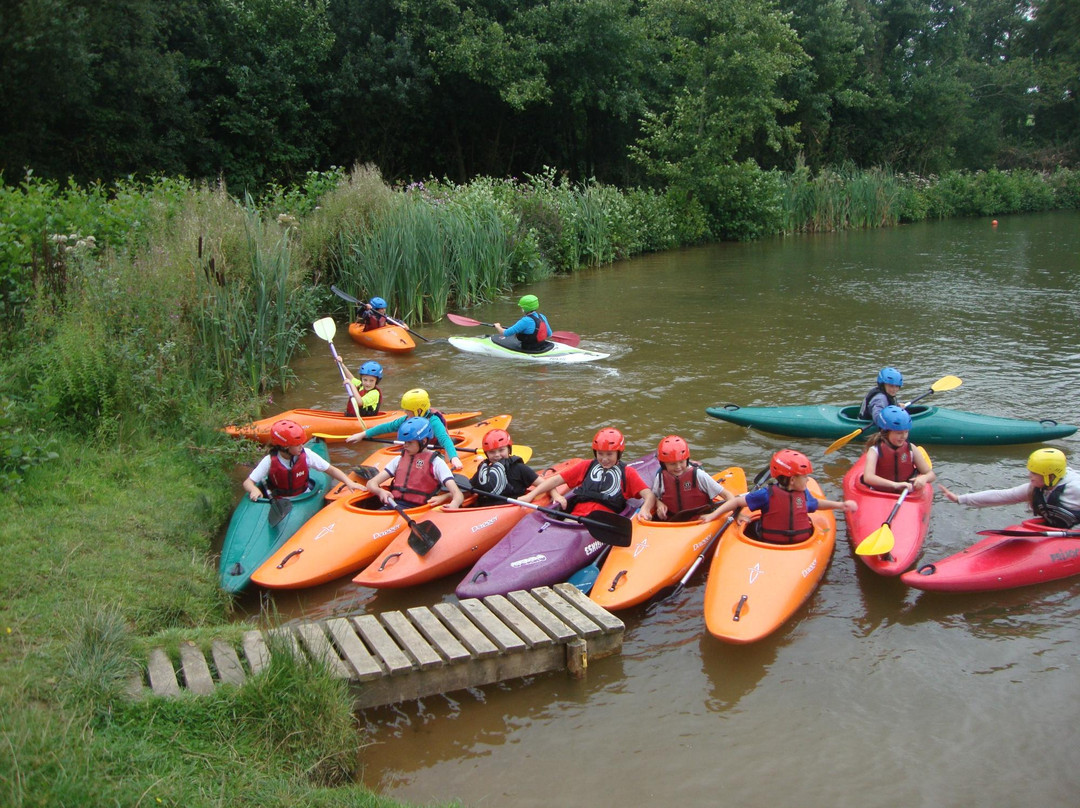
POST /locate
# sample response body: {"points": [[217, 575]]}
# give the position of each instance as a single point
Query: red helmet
{"points": [[495, 439], [288, 433], [672, 449], [788, 463], [609, 439]]}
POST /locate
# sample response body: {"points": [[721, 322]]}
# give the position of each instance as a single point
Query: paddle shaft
{"points": [[896, 508], [432, 530], [346, 296], [565, 337], [439, 448], [1034, 534], [881, 540], [326, 328]]}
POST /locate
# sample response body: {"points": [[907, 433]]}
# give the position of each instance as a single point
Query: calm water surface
{"points": [[874, 694]]}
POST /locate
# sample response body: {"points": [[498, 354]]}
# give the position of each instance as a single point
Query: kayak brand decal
{"points": [[594, 547], [700, 544], [810, 569], [1064, 555], [539, 558], [325, 531], [642, 546], [755, 571], [482, 525], [386, 532]]}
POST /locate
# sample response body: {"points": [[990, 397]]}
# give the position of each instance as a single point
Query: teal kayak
{"points": [[929, 425], [558, 353], [250, 539]]}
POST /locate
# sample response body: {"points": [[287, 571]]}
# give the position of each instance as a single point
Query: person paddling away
{"points": [[417, 404], [785, 505], [893, 463], [419, 474], [603, 483], [503, 472], [367, 386], [1052, 490], [889, 382], [286, 467], [680, 485], [372, 314], [532, 330]]}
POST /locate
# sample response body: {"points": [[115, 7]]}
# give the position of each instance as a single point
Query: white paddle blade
{"points": [[325, 328]]}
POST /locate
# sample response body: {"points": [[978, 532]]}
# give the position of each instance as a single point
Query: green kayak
{"points": [[929, 425], [250, 539]]}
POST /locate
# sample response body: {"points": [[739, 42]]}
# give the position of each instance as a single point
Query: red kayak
{"points": [[1003, 561], [909, 526]]}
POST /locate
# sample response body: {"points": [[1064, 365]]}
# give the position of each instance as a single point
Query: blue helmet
{"points": [[893, 419], [371, 369], [415, 429], [378, 303], [890, 376]]}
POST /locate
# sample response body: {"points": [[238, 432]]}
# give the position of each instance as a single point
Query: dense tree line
{"points": [[627, 91]]}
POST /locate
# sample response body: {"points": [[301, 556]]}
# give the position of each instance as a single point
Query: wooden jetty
{"points": [[400, 656]]}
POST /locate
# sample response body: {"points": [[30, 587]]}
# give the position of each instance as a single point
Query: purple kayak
{"points": [[541, 550]]}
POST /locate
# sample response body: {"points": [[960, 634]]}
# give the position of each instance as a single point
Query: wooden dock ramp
{"points": [[398, 656]]}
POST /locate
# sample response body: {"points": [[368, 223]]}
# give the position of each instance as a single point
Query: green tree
{"points": [[1052, 42]]}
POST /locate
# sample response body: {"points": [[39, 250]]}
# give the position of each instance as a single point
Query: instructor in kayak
{"points": [[604, 483], [532, 330], [1052, 490]]}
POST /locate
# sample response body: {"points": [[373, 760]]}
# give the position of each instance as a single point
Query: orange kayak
{"points": [[659, 556], [754, 587], [390, 338], [331, 425], [467, 533]]}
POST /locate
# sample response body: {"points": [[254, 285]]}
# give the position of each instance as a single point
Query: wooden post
{"points": [[577, 658]]}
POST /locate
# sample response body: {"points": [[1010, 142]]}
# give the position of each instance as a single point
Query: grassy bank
{"points": [[136, 320]]}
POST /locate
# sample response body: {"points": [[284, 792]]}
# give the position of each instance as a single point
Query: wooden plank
{"points": [[518, 620], [409, 638], [606, 619], [255, 650], [578, 620], [438, 635], [464, 629], [196, 671], [492, 626], [229, 669], [162, 676], [542, 615], [284, 637], [393, 658], [365, 665], [314, 639]]}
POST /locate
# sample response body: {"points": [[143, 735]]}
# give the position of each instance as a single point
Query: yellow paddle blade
{"points": [[879, 542], [329, 438], [524, 452], [325, 328], [925, 456], [946, 383], [840, 443]]}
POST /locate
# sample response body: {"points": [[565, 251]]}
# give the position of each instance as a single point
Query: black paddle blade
{"points": [[610, 528], [423, 536], [279, 509], [365, 472]]}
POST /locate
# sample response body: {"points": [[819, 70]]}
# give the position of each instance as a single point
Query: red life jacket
{"points": [[787, 520], [372, 319], [895, 464], [285, 481], [414, 481], [350, 406], [682, 493]]}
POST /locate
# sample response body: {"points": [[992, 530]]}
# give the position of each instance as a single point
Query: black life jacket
{"points": [[864, 410], [533, 341], [1049, 507], [601, 485], [494, 478]]}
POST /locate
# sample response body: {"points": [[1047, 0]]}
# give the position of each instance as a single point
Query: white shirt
{"points": [[262, 470]]}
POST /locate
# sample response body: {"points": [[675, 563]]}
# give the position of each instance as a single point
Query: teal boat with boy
{"points": [[929, 425]]}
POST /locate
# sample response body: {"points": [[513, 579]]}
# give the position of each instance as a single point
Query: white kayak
{"points": [[558, 353]]}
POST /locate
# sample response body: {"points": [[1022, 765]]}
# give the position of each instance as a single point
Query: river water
{"points": [[873, 694]]}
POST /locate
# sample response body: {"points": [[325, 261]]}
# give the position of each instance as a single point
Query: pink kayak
{"points": [[909, 526]]}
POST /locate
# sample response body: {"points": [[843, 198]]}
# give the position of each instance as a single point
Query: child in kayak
{"points": [[367, 388], [603, 483], [785, 505], [372, 314], [417, 404], [419, 475], [1052, 490], [502, 472], [893, 463], [889, 382], [681, 486], [286, 466], [532, 330]]}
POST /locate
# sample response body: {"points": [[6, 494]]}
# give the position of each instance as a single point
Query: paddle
{"points": [[585, 578], [610, 528], [437, 448], [882, 540], [940, 386], [759, 480], [565, 337], [422, 535], [1034, 534], [326, 328], [351, 299], [279, 506]]}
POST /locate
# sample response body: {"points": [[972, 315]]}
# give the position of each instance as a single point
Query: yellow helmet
{"points": [[1049, 464], [416, 401]]}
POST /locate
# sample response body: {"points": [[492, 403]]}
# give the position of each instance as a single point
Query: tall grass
{"points": [[840, 199]]}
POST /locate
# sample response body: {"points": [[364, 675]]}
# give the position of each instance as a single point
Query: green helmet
{"points": [[529, 303]]}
